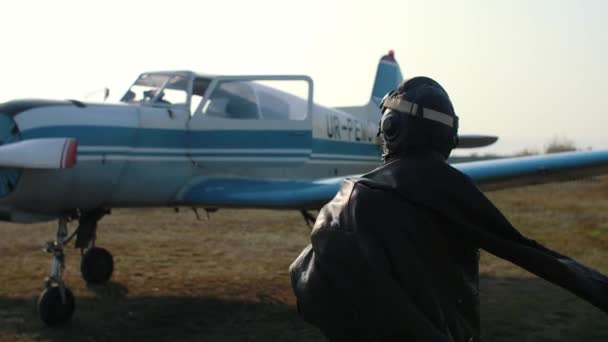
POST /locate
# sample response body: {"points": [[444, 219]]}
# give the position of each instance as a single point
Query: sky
{"points": [[526, 70]]}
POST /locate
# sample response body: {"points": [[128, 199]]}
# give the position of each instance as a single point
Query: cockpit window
{"points": [[158, 89], [199, 87], [232, 100]]}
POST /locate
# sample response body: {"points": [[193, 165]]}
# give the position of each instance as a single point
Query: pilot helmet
{"points": [[418, 117]]}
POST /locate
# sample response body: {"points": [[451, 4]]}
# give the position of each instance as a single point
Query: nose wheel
{"points": [[56, 303], [97, 266], [56, 306]]}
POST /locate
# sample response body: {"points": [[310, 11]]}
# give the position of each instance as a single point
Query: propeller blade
{"points": [[42, 153]]}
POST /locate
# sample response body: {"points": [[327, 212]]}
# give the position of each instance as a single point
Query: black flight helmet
{"points": [[418, 117]]}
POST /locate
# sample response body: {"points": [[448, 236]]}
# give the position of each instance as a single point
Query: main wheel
{"points": [[97, 266], [52, 309]]}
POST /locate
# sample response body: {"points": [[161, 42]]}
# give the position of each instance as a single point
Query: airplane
{"points": [[183, 139]]}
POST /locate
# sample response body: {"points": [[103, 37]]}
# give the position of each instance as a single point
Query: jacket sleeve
{"points": [[495, 234]]}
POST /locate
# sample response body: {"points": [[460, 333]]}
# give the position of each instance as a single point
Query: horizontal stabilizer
{"points": [[475, 140], [43, 153]]}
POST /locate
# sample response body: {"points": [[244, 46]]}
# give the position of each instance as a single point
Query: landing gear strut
{"points": [[56, 303]]}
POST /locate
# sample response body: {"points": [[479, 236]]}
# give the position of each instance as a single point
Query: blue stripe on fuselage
{"points": [[345, 147], [178, 154], [238, 139], [86, 135], [168, 138]]}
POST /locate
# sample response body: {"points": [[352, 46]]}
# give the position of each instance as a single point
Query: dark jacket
{"points": [[394, 257]]}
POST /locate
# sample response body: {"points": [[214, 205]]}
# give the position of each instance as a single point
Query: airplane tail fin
{"points": [[388, 77]]}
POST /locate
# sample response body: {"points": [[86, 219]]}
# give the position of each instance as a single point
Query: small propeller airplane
{"points": [[185, 139]]}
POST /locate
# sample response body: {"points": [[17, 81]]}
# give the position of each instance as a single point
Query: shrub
{"points": [[560, 144]]}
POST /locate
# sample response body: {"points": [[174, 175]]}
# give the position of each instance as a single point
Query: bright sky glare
{"points": [[526, 70]]}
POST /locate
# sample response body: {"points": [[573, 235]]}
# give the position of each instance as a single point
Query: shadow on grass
{"points": [[110, 290], [531, 309], [115, 317], [513, 309]]}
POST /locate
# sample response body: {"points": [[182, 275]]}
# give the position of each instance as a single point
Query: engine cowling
{"points": [[17, 154]]}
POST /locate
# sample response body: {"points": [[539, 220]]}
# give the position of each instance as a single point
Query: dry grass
{"points": [[226, 279]]}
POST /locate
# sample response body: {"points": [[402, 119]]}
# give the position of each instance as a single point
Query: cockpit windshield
{"points": [[158, 88]]}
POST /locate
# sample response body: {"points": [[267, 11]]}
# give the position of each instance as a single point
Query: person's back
{"points": [[394, 256], [428, 256], [395, 261]]}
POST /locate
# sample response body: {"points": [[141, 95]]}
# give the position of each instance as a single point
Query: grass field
{"points": [[226, 279]]}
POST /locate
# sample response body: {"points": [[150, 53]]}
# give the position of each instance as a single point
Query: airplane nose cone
{"points": [[9, 133]]}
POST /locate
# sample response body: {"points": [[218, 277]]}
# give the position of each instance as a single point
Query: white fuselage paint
{"points": [[122, 159]]}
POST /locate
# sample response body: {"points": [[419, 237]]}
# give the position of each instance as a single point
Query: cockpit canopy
{"points": [[226, 97], [179, 89]]}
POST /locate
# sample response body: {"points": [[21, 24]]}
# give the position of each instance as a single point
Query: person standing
{"points": [[395, 255]]}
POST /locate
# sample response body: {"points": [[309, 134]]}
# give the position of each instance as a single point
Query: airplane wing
{"points": [[519, 171], [274, 194], [313, 194]]}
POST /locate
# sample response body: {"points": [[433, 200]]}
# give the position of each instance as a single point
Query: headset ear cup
{"points": [[456, 140], [385, 124], [390, 126]]}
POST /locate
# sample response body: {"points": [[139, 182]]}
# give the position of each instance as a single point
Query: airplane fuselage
{"points": [[135, 156]]}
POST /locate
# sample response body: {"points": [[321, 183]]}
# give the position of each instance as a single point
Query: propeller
{"points": [[42, 153]]}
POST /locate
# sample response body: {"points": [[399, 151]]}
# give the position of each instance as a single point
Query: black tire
{"points": [[97, 266], [52, 310]]}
